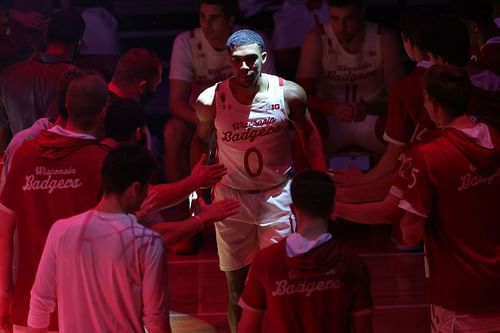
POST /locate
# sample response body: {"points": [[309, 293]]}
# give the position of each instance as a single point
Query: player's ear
{"points": [[264, 57]]}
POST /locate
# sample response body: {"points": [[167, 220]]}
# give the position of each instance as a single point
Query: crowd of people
{"points": [[84, 228]]}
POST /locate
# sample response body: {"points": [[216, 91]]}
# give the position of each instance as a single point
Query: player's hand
{"points": [[207, 175], [218, 210], [148, 204], [344, 112], [347, 177], [33, 20], [5, 313]]}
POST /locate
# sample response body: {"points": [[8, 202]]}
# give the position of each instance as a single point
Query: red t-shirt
{"points": [[407, 120], [51, 177], [455, 184], [313, 292]]}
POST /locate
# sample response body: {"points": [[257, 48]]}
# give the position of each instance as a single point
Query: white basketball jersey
{"points": [[348, 77], [253, 140], [209, 66]]}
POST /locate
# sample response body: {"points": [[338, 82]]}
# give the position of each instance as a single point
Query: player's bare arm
{"points": [[205, 112], [179, 93], [204, 138], [308, 135]]}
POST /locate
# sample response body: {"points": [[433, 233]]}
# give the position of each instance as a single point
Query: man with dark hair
{"points": [[446, 40], [346, 67], [53, 176], [249, 115], [307, 282], [484, 33], [103, 259], [28, 87], [450, 188]]}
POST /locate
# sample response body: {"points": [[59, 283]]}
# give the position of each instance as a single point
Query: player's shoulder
{"points": [[207, 96], [293, 91], [313, 37], [186, 35]]}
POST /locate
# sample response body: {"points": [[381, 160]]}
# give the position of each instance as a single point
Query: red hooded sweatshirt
{"points": [[456, 185], [52, 177]]}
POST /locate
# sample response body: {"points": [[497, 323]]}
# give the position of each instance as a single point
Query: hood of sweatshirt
{"points": [[316, 261], [480, 145], [55, 146]]}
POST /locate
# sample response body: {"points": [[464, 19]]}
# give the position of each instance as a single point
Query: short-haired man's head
{"points": [[62, 89], [136, 65], [229, 7], [345, 3], [448, 86], [412, 19], [122, 120], [313, 193], [445, 36], [86, 98], [65, 26], [244, 37], [125, 165]]}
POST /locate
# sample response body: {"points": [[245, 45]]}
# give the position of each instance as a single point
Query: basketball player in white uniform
{"points": [[250, 114], [198, 61], [346, 67]]}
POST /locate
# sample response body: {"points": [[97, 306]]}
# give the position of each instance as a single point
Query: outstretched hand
{"points": [[207, 175], [218, 210], [350, 176]]}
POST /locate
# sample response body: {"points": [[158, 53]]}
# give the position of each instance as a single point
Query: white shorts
{"points": [[264, 219], [360, 134], [447, 321]]}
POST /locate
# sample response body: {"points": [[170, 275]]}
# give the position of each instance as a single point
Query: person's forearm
{"points": [[365, 213], [312, 146], [184, 111], [177, 231], [387, 164], [380, 212], [173, 193]]}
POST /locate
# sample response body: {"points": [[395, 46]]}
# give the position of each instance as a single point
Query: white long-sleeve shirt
{"points": [[106, 272]]}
